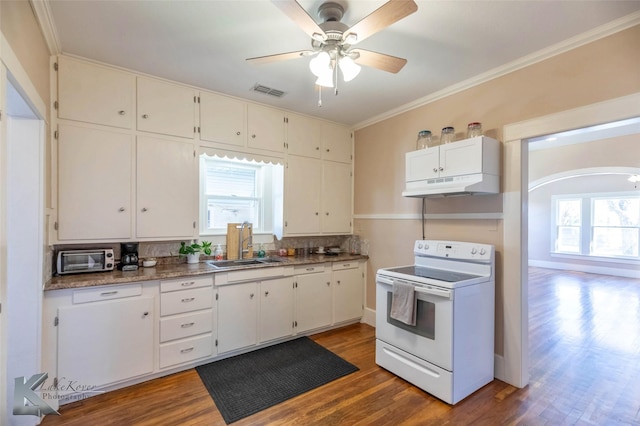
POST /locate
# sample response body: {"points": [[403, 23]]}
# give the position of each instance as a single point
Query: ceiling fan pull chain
{"points": [[335, 75], [319, 95]]}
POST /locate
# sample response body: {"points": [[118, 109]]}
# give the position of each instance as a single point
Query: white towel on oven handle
{"points": [[403, 303]]}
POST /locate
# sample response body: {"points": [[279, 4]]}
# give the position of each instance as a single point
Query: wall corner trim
{"points": [[42, 10]]}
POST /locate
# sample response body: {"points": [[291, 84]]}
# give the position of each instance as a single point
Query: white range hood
{"points": [[479, 183], [470, 166]]}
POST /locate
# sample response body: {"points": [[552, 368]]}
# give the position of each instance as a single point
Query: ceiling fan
{"points": [[332, 40]]}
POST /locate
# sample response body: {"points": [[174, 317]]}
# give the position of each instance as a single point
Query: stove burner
{"points": [[434, 274]]}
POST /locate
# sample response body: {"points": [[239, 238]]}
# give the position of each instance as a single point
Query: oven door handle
{"points": [[435, 292], [383, 280]]}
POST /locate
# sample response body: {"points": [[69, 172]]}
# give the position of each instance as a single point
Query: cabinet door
{"points": [[313, 301], [347, 294], [222, 119], [94, 183], [167, 188], [105, 342], [94, 94], [265, 127], [303, 186], [461, 158], [422, 164], [237, 316], [276, 309], [303, 136], [166, 108], [336, 198], [336, 143]]}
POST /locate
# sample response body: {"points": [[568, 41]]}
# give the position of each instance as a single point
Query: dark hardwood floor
{"points": [[585, 370]]}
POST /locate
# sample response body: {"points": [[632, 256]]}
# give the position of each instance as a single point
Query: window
{"points": [[604, 225], [234, 191]]}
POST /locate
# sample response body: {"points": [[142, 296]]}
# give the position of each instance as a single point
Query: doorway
{"points": [[515, 196], [24, 239]]}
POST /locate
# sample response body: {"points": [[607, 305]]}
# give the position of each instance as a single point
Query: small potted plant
{"points": [[193, 251]]}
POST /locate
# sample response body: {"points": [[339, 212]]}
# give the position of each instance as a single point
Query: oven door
{"points": [[431, 338]]}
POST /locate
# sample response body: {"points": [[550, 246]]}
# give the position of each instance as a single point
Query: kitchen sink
{"points": [[238, 263]]}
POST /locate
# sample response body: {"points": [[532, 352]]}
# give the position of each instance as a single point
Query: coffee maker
{"points": [[128, 257]]}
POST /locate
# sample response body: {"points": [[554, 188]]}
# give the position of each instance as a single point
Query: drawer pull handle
{"points": [[346, 265], [187, 324], [189, 299], [188, 283], [109, 293], [311, 269], [145, 314], [184, 351]]}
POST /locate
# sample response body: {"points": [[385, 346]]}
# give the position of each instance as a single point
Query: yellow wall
{"points": [[601, 70], [20, 28]]}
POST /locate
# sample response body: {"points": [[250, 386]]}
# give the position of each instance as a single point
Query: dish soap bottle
{"points": [[261, 252], [217, 254]]}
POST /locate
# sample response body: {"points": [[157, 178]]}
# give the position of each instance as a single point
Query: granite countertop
{"points": [[177, 270]]}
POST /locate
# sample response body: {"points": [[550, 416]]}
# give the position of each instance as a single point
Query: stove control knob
{"points": [[474, 250], [420, 245], [482, 251], [426, 246]]}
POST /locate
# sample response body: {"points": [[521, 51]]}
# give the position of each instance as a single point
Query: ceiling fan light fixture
{"points": [[320, 64], [349, 68], [326, 79]]}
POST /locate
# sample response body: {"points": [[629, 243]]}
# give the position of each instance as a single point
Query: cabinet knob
{"points": [[441, 169], [145, 115], [338, 282], [145, 314], [317, 148], [266, 293], [121, 209], [144, 209], [253, 136], [435, 169], [238, 133], [327, 149], [122, 112], [251, 296], [316, 213], [327, 213], [328, 283]]}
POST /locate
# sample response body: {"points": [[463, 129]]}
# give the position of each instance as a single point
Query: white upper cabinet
{"points": [[265, 128], [94, 183], [166, 108], [302, 194], [336, 198], [336, 143], [95, 94], [223, 119], [166, 188], [303, 136]]}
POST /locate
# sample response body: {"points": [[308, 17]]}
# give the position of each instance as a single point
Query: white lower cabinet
{"points": [[276, 309], [237, 316], [348, 291], [254, 312], [186, 320], [99, 341], [312, 297]]}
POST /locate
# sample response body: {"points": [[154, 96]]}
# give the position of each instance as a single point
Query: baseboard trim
{"points": [[369, 317], [592, 269]]}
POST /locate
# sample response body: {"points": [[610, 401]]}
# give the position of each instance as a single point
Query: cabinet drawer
{"points": [[309, 269], [185, 350], [185, 283], [106, 293], [186, 325], [178, 302], [348, 264]]}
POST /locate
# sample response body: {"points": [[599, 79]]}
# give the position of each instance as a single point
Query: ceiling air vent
{"points": [[268, 90]]}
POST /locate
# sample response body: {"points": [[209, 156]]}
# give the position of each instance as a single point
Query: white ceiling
{"points": [[205, 43]]}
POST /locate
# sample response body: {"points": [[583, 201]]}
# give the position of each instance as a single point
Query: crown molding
{"points": [[42, 10], [597, 33]]}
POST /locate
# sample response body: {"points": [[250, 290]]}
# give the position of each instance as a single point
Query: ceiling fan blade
{"points": [[279, 57], [293, 10], [387, 14], [380, 61]]}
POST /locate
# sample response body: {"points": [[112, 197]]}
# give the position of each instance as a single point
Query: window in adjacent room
{"points": [[603, 225], [234, 191]]}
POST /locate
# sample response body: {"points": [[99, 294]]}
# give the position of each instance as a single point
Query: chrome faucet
{"points": [[241, 240]]}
